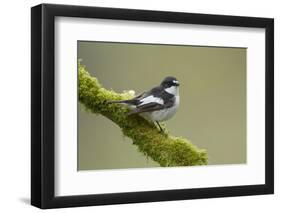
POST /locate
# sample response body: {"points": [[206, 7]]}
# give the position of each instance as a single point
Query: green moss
{"points": [[163, 148]]}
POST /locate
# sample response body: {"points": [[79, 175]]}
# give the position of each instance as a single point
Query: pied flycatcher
{"points": [[158, 104]]}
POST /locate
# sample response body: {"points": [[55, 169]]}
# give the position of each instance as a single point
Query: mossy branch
{"points": [[165, 149]]}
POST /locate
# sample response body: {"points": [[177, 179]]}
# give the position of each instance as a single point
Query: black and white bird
{"points": [[158, 104]]}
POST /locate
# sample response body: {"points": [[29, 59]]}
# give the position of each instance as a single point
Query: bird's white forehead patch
{"points": [[151, 99], [175, 81]]}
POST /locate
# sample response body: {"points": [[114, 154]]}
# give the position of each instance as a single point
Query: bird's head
{"points": [[170, 84]]}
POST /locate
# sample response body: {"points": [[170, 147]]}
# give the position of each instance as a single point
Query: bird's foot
{"points": [[161, 129]]}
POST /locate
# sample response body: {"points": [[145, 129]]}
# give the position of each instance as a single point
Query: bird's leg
{"points": [[161, 130]]}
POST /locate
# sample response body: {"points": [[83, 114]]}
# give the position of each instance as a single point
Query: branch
{"points": [[163, 148]]}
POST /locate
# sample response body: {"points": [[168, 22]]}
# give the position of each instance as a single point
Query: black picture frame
{"points": [[43, 102]]}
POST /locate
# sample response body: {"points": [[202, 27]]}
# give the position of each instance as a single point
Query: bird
{"points": [[158, 104]]}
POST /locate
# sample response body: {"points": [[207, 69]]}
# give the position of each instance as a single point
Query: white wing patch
{"points": [[151, 99]]}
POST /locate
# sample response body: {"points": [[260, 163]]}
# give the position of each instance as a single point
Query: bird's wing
{"points": [[149, 107]]}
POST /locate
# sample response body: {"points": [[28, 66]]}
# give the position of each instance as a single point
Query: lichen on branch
{"points": [[163, 148]]}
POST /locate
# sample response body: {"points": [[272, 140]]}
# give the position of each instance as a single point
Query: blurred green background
{"points": [[212, 111]]}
